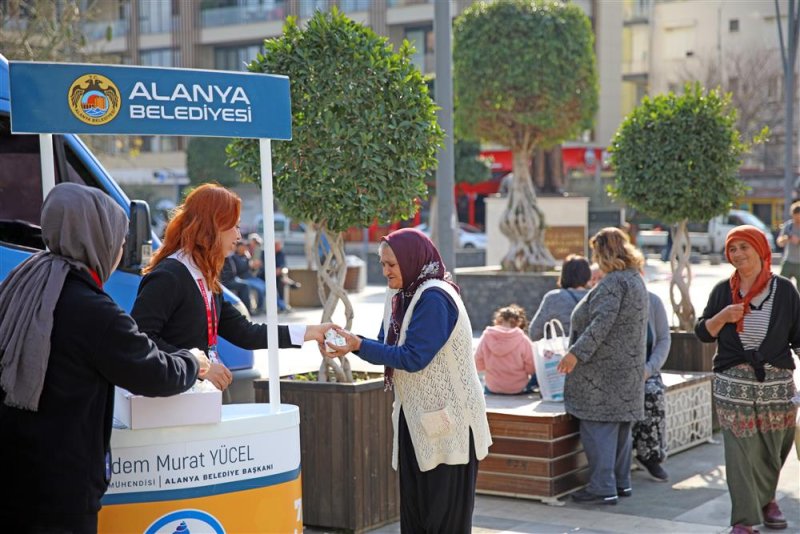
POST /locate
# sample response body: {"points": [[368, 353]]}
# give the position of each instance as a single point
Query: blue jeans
{"points": [[260, 287], [532, 383]]}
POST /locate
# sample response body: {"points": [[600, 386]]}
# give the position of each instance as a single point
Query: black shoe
{"points": [[624, 492], [654, 468], [585, 496]]}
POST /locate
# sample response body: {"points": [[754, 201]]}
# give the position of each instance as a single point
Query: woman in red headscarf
{"points": [[439, 414], [754, 317]]}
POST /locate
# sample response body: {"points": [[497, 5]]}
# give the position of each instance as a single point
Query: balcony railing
{"points": [[228, 16], [97, 31], [401, 3]]}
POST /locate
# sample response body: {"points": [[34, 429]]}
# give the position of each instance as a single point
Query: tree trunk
{"points": [[331, 271], [681, 276], [523, 223]]}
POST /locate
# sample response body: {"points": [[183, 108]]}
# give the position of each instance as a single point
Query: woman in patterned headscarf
{"points": [[753, 383], [439, 417]]}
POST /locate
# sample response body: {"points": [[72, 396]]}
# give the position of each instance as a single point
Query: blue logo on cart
{"points": [[186, 522]]}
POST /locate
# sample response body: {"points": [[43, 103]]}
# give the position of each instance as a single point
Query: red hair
{"points": [[196, 229]]}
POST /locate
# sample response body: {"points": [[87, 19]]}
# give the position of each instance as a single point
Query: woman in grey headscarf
{"points": [[64, 344]]}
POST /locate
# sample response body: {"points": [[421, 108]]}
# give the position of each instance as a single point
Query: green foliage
{"points": [[677, 156], [205, 161], [470, 168], [364, 126], [45, 30], [524, 72]]}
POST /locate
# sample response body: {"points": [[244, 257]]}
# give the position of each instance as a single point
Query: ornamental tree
{"points": [[524, 77], [677, 159], [205, 161], [364, 136]]}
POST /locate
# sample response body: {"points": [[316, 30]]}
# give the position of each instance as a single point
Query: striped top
{"points": [[756, 322]]}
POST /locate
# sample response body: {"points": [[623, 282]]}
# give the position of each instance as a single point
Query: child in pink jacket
{"points": [[506, 354]]}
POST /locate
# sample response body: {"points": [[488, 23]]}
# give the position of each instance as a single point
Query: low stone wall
{"points": [[484, 289]]}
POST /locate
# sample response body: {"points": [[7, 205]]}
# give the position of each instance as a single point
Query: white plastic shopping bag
{"points": [[547, 353]]}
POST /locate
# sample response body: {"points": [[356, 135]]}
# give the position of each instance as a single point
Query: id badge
{"points": [[213, 356]]}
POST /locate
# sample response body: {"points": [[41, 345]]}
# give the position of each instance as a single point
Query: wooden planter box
{"points": [[687, 353], [345, 452], [537, 452], [306, 296]]}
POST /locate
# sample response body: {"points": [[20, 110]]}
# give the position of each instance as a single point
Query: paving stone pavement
{"points": [[695, 501]]}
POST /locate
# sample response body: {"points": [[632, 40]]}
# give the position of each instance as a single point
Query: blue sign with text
{"points": [[108, 99]]}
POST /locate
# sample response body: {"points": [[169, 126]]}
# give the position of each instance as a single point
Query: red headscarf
{"points": [[755, 238]]}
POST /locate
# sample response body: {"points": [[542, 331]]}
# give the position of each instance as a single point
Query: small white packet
{"points": [[332, 337]]}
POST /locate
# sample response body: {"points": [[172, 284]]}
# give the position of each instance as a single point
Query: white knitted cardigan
{"points": [[449, 383]]}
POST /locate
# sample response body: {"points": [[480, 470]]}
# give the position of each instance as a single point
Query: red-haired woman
{"points": [[180, 304]]}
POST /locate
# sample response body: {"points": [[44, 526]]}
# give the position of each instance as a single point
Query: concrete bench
{"points": [[537, 452]]}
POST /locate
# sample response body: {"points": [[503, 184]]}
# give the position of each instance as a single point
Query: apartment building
{"points": [[732, 44], [227, 34]]}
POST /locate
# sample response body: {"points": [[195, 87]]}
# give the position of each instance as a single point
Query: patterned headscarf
{"points": [[419, 261], [758, 241]]}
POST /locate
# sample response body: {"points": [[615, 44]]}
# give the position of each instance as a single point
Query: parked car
{"points": [[21, 233], [286, 229], [468, 236], [706, 238]]}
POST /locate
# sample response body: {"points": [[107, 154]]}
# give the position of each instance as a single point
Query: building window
{"points": [[155, 16], [160, 57], [235, 57], [423, 41], [733, 25]]}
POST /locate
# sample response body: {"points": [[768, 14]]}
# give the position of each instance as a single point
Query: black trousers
{"points": [[437, 501]]}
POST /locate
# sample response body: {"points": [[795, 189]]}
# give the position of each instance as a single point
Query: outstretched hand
{"points": [[316, 333], [352, 343]]}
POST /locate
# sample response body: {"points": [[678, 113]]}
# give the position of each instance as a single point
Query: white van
{"points": [[706, 238]]}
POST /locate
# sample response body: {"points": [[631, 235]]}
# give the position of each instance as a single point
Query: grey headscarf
{"points": [[83, 229]]}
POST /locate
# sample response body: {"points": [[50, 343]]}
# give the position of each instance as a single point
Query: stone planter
{"points": [[484, 289], [345, 452]]}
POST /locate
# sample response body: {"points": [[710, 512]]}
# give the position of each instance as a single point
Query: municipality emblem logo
{"points": [[94, 99], [186, 522]]}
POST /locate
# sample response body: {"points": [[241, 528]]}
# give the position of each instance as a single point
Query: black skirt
{"points": [[437, 501]]}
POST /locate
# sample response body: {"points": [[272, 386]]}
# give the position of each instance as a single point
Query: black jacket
{"points": [[170, 309], [783, 333], [53, 459]]}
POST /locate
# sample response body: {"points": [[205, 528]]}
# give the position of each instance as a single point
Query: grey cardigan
{"points": [[609, 334], [658, 322]]}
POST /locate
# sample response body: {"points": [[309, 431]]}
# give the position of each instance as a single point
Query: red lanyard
{"points": [[211, 316], [96, 278]]}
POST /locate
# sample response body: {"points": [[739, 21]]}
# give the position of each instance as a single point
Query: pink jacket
{"points": [[506, 354]]}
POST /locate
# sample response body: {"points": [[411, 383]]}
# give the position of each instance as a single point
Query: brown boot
{"points": [[773, 517], [743, 529]]}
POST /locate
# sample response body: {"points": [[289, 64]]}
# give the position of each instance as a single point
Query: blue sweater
{"points": [[434, 319]]}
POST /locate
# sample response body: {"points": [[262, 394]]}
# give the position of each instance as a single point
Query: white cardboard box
{"points": [[188, 408]]}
